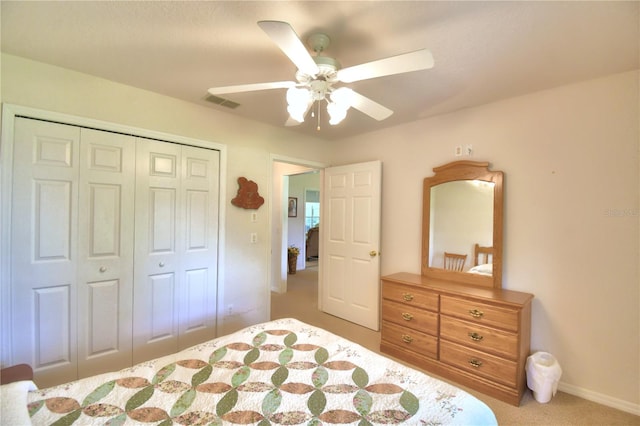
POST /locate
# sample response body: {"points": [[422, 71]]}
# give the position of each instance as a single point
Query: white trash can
{"points": [[543, 375]]}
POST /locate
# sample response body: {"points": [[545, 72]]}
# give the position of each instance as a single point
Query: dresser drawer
{"points": [[475, 336], [410, 316], [481, 313], [406, 338], [410, 295], [489, 366]]}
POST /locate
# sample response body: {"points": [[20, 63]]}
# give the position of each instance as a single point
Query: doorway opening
{"points": [[312, 227], [349, 284], [303, 223], [293, 182]]}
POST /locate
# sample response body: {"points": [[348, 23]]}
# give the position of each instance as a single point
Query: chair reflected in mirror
{"points": [[454, 262]]}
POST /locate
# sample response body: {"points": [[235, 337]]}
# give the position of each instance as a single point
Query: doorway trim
{"points": [[277, 218]]}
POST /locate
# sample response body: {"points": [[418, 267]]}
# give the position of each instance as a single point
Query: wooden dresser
{"points": [[477, 337]]}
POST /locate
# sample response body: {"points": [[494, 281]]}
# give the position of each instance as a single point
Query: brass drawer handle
{"points": [[475, 363], [476, 337], [407, 316], [406, 338], [476, 313], [408, 297]]}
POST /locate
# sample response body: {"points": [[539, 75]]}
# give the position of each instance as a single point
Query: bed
{"points": [[280, 372]]}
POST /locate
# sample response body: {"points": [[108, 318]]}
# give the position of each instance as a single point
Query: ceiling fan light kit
{"points": [[317, 75], [299, 101]]}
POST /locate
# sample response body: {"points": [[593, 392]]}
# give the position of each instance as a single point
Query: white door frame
{"points": [[277, 265], [9, 114]]}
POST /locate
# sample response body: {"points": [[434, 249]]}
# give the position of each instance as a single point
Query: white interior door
{"points": [[350, 279], [105, 252], [155, 314], [44, 249], [198, 286]]}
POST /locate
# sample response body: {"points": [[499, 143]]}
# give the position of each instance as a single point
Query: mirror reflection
{"points": [[462, 209], [461, 226]]}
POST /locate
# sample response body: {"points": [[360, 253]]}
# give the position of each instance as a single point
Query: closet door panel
{"points": [[162, 216], [104, 220], [157, 256], [199, 185], [52, 323], [162, 295], [196, 215], [195, 314], [105, 271], [52, 220], [102, 322], [43, 255]]}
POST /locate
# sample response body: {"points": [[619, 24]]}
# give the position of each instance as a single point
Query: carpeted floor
{"points": [[301, 302]]}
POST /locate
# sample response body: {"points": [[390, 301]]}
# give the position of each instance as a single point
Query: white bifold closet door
{"points": [[105, 251], [113, 249], [176, 248], [71, 250]]}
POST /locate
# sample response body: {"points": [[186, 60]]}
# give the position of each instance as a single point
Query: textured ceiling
{"points": [[483, 51]]}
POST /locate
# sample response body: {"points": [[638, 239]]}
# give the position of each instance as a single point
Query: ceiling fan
{"points": [[317, 76]]}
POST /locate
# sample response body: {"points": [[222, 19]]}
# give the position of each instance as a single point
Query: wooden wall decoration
{"points": [[247, 196]]}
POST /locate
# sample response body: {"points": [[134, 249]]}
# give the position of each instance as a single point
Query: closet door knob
{"points": [[161, 264], [103, 269]]}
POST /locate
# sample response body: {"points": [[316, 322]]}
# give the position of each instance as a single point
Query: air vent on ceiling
{"points": [[222, 101]]}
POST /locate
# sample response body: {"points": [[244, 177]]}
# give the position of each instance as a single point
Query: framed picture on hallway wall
{"points": [[293, 207]]}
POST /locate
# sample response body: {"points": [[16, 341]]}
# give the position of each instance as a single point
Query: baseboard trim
{"points": [[600, 398]]}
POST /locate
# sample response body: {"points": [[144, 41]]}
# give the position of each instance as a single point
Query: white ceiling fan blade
{"points": [[407, 62], [251, 87], [369, 107], [288, 41]]}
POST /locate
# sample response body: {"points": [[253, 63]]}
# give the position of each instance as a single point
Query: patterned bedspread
{"points": [[282, 372]]}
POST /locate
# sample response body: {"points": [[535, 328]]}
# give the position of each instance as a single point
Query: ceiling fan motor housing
{"points": [[319, 89], [321, 83]]}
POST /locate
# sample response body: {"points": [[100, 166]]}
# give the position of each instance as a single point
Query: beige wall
{"points": [[570, 157]]}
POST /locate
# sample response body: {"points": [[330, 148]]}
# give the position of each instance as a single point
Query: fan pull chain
{"points": [[318, 128]]}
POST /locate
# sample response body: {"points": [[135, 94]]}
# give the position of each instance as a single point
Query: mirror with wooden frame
{"points": [[462, 224]]}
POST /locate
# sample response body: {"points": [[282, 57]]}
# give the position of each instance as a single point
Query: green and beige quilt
{"points": [[282, 372]]}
